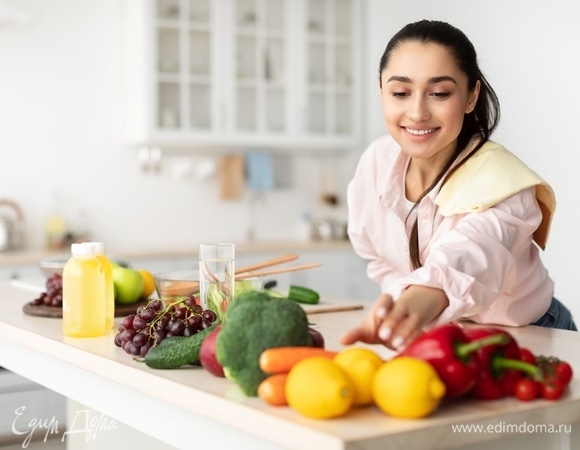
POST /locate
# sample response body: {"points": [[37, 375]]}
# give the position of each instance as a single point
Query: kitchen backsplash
{"points": [[154, 210]]}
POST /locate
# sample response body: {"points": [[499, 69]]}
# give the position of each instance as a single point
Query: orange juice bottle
{"points": [[83, 293], [109, 287]]}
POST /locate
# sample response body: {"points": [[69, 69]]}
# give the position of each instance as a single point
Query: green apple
{"points": [[129, 285]]}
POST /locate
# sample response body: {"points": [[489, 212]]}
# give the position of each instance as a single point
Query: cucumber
{"points": [[303, 295], [177, 351]]}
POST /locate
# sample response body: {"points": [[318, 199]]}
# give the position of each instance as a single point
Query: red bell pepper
{"points": [[453, 355], [501, 365]]}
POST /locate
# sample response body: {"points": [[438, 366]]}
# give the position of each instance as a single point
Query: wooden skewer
{"points": [[275, 271], [182, 288], [267, 263]]}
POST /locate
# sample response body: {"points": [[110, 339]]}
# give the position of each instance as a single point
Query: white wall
{"points": [[61, 130], [528, 51]]}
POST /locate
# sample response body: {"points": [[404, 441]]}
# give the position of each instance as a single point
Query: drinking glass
{"points": [[216, 277]]}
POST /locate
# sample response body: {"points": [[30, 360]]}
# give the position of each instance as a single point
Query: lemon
{"points": [[361, 365], [407, 387], [149, 283], [318, 388]]}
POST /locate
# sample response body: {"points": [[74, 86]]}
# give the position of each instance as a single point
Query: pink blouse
{"points": [[485, 262]]}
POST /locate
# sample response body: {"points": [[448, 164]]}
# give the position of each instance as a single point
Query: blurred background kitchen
{"points": [[154, 126]]}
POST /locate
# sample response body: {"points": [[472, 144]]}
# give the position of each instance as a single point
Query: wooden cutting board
{"points": [[125, 310], [231, 177], [331, 306], [55, 312]]}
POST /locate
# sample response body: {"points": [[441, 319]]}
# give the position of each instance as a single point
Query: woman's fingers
{"points": [[359, 334], [397, 324], [388, 327], [367, 331], [382, 307], [407, 330], [399, 327]]}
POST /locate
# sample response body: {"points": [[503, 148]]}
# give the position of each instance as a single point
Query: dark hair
{"points": [[479, 123]]}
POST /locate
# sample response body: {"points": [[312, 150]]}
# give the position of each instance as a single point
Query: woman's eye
{"points": [[399, 94], [441, 94]]}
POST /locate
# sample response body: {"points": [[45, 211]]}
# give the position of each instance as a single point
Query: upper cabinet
{"points": [[243, 73]]}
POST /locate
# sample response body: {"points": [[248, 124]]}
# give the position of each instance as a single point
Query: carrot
{"points": [[272, 389], [282, 359]]}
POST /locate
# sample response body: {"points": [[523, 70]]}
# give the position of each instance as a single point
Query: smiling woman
{"points": [[472, 214]]}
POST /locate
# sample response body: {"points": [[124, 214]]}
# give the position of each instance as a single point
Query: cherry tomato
{"points": [[527, 356], [564, 372], [552, 389], [526, 389]]}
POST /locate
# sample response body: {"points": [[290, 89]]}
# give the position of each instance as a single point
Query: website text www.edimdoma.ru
{"points": [[506, 427]]}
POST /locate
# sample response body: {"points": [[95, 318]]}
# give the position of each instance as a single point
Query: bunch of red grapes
{"points": [[53, 294], [156, 320]]}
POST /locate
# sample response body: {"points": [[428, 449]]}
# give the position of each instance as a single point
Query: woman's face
{"points": [[425, 97]]}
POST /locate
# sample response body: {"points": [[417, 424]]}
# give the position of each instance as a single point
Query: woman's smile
{"points": [[419, 131]]}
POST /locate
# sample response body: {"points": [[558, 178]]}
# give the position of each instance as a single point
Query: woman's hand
{"points": [[397, 324], [368, 330]]}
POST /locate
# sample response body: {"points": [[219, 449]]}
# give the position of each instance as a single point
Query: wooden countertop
{"points": [[190, 408], [31, 257]]}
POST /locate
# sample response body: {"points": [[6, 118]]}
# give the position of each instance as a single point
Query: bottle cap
{"points": [[99, 247], [83, 248]]}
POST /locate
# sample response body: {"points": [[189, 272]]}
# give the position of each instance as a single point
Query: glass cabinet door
{"points": [[257, 72], [330, 65], [184, 91], [259, 66]]}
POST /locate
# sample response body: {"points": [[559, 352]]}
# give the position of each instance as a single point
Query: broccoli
{"points": [[254, 322]]}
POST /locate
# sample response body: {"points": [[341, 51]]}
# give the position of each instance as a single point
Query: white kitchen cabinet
{"points": [[243, 73]]}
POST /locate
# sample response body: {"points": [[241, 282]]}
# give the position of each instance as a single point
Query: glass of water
{"points": [[216, 277]]}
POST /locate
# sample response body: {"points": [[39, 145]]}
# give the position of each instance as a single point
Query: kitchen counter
{"points": [[33, 257], [190, 408]]}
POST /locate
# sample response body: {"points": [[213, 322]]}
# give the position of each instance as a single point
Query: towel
{"points": [[259, 171], [489, 177]]}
